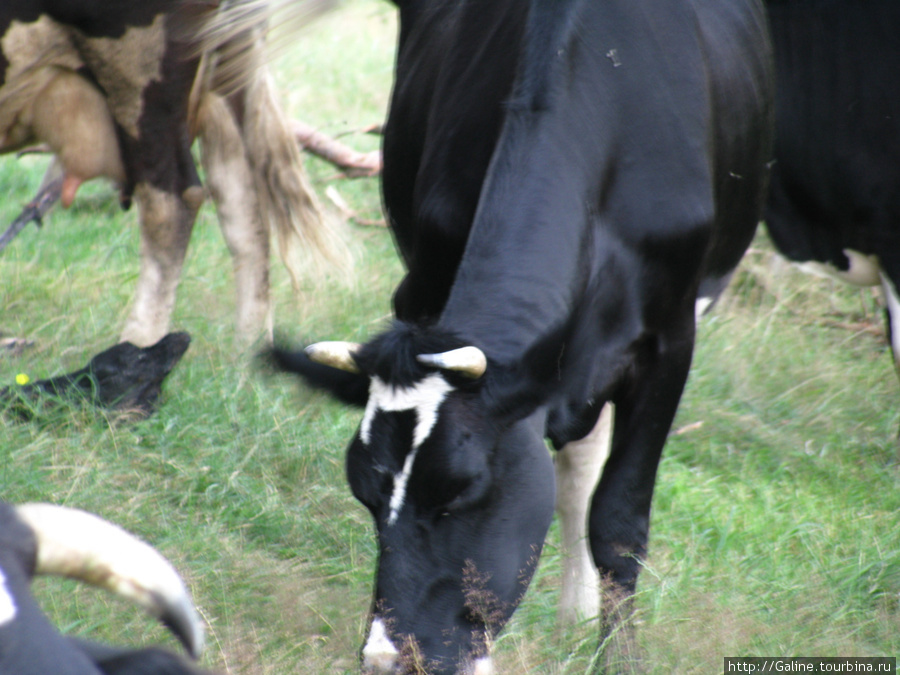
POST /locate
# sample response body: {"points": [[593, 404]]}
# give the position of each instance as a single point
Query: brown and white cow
{"points": [[120, 90]]}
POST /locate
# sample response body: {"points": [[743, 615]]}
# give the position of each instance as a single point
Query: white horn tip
{"points": [[81, 545]]}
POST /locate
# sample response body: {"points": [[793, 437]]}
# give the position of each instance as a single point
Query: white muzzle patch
{"points": [[483, 666], [7, 604], [379, 654], [425, 399]]}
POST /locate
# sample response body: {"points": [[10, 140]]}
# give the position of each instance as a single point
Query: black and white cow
{"points": [[38, 539], [835, 197], [119, 90], [566, 182]]}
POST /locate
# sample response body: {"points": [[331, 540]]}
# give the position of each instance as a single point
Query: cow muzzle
{"points": [[381, 657]]}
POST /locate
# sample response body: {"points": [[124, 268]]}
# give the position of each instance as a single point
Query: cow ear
{"points": [[348, 387]]}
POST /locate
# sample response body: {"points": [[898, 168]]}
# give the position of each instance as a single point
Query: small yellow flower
{"points": [[22, 378]]}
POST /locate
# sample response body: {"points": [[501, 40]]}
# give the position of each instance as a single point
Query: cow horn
{"points": [[82, 546], [469, 361], [335, 354]]}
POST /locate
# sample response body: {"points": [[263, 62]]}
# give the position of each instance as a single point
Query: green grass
{"points": [[775, 520]]}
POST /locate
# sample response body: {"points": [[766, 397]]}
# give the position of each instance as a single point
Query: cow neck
{"points": [[531, 244], [517, 282]]}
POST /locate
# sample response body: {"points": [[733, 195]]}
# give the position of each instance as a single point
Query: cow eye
{"points": [[471, 494], [452, 479], [368, 479]]}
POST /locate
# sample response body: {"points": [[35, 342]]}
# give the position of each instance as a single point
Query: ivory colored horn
{"points": [[79, 545]]}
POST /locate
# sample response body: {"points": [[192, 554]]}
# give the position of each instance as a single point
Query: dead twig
{"points": [[354, 164], [346, 212], [47, 196]]}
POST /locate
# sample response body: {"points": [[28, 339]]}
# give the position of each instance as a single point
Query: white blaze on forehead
{"points": [[425, 399], [7, 604]]}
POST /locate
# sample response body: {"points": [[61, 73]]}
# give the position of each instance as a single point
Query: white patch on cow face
{"points": [[425, 398], [7, 604], [379, 654], [863, 270]]}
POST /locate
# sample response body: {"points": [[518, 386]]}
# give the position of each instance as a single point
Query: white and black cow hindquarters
{"points": [[122, 94]]}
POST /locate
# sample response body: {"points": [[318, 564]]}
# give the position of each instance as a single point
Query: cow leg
{"points": [[166, 224], [620, 511], [892, 300], [578, 468], [230, 181]]}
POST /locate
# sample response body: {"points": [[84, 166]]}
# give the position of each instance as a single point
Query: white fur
{"points": [[700, 307], [893, 304], [425, 398], [579, 466], [863, 271], [483, 666], [400, 481], [7, 604], [379, 654]]}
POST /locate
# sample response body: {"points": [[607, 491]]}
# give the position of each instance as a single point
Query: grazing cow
{"points": [[44, 539], [118, 90], [124, 378], [566, 182], [835, 194]]}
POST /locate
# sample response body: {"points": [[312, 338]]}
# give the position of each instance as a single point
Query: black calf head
{"points": [[124, 377], [461, 500]]}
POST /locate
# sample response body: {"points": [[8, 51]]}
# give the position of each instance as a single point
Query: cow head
{"points": [[461, 497]]}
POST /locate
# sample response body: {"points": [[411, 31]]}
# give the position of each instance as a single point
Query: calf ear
{"points": [[351, 388]]}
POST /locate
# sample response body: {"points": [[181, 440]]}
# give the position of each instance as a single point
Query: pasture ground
{"points": [[775, 520]]}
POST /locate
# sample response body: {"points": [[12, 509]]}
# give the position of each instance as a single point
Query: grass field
{"points": [[775, 520]]}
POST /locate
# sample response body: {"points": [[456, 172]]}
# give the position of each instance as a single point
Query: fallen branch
{"points": [[354, 164], [37, 208]]}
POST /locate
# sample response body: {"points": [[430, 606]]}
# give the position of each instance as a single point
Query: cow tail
{"points": [[234, 67], [286, 199]]}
